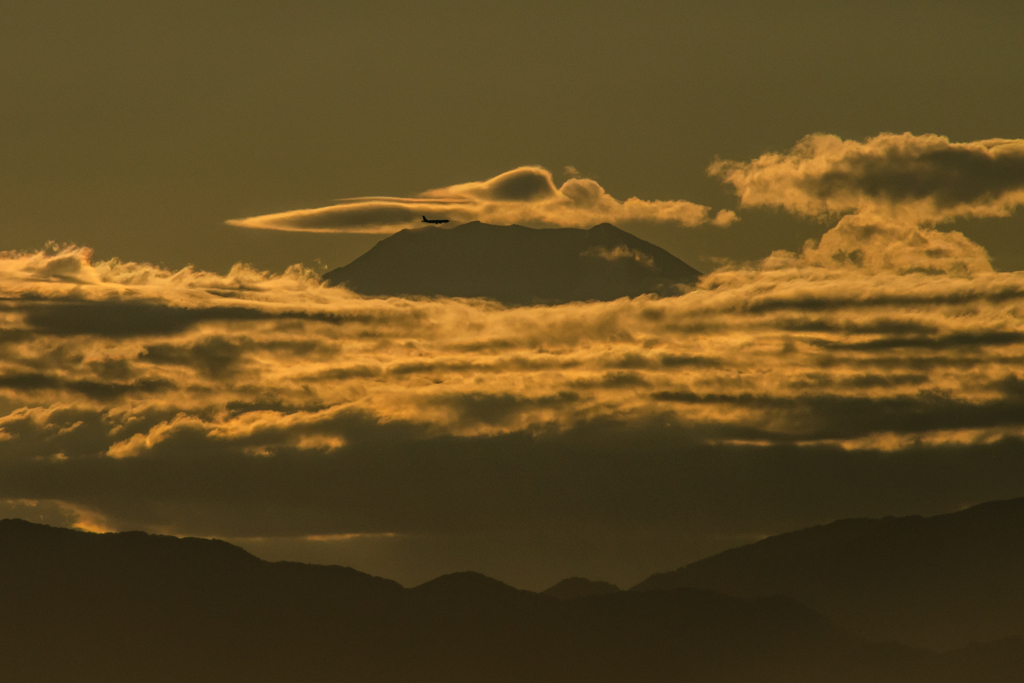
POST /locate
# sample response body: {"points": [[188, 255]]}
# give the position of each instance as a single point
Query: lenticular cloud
{"points": [[526, 195]]}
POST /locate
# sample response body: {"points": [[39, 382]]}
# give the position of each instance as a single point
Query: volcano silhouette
{"points": [[515, 265]]}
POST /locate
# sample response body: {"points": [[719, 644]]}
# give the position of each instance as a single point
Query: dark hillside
{"points": [[132, 607], [941, 581]]}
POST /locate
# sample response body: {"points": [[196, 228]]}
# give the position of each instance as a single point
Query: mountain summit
{"points": [[515, 265]]}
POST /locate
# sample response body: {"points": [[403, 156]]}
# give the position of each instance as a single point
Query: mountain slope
{"points": [[577, 587], [940, 581], [515, 265], [130, 607]]}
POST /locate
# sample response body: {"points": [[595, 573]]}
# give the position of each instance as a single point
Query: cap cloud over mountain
{"points": [[526, 194]]}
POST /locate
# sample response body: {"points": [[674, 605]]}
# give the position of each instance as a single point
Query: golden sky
{"points": [[139, 128], [856, 347]]}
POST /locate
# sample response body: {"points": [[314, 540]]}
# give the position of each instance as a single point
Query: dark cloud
{"points": [[631, 361], [215, 357], [113, 369], [846, 327], [269, 403], [352, 372], [864, 381], [500, 409], [122, 319], [14, 336], [417, 368], [101, 391], [680, 361], [974, 340], [613, 380], [616, 380], [813, 303], [525, 493], [1012, 386], [951, 175], [125, 318], [828, 416]]}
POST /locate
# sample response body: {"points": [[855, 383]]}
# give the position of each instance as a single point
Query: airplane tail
{"points": [[424, 219]]}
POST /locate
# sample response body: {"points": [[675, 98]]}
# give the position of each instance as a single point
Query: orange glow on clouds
{"points": [[526, 195]]}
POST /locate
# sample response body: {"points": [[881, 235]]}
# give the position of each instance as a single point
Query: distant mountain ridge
{"points": [[126, 607], [578, 587], [515, 265], [942, 581]]}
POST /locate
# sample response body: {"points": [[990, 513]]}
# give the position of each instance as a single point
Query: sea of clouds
{"points": [[260, 404]]}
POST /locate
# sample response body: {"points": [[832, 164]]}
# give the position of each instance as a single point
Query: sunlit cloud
{"points": [[525, 195], [785, 348], [912, 178], [252, 404], [890, 191]]}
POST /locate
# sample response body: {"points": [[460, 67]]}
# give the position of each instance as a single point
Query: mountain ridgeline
{"points": [[937, 582], [515, 265], [131, 606]]}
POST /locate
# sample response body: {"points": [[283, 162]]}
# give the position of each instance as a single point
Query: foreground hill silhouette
{"points": [[86, 607], [515, 265], [941, 581]]}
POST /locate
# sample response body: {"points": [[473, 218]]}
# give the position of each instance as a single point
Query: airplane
{"points": [[439, 221]]}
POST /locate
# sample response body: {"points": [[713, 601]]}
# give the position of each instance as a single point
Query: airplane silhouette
{"points": [[439, 221]]}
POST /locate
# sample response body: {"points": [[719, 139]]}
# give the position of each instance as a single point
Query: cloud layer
{"points": [[525, 195], [878, 371], [253, 405]]}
